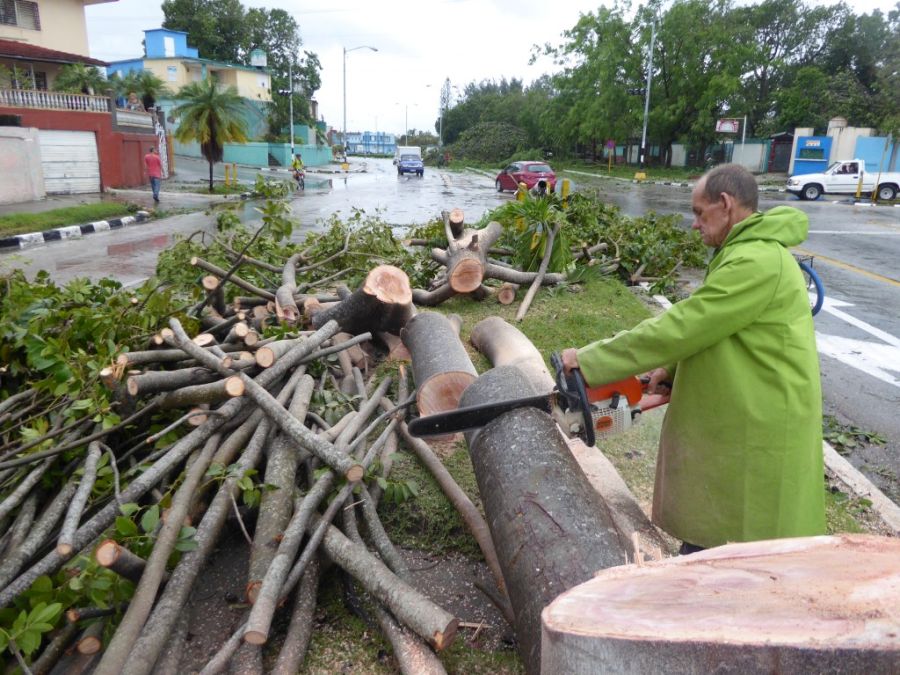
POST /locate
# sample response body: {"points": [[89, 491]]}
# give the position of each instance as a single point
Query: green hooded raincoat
{"points": [[740, 453]]}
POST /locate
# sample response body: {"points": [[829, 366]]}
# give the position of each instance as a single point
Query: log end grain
{"points": [[234, 386], [265, 357], [443, 639], [354, 473], [467, 275], [107, 553], [255, 637], [811, 604], [442, 392], [89, 645], [389, 284], [64, 550]]}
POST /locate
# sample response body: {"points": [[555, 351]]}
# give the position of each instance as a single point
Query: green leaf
{"points": [[413, 487], [382, 483], [186, 545], [129, 509], [150, 519], [4, 641], [126, 527], [29, 641], [43, 584], [44, 613]]}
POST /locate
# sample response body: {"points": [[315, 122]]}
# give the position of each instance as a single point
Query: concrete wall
{"points": [[877, 152], [753, 154], [63, 28], [257, 154], [844, 139], [120, 166], [20, 166]]}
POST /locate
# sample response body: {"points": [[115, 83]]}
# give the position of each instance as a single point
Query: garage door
{"points": [[70, 163]]}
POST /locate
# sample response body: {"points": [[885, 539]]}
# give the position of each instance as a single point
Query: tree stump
{"points": [[550, 528], [383, 302], [804, 605], [441, 366]]}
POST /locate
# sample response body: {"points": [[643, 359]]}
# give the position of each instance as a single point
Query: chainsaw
{"points": [[581, 411]]}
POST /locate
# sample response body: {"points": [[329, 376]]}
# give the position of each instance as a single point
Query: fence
{"points": [[52, 100]]}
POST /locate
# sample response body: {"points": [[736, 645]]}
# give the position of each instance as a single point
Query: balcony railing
{"points": [[52, 100]]}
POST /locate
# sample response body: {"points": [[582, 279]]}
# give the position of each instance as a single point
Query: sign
{"points": [[611, 144], [728, 126], [813, 143]]}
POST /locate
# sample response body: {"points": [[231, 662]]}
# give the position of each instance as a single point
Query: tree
{"points": [[77, 78], [210, 116]]}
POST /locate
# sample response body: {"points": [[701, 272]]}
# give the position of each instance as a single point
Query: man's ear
{"points": [[727, 201]]}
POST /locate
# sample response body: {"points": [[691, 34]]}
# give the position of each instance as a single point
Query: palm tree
{"points": [[212, 117], [77, 78], [148, 86]]}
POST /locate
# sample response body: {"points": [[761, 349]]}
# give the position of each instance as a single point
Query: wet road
{"points": [[856, 249]]}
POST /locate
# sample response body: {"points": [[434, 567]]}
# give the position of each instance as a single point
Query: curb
{"points": [[71, 231]]}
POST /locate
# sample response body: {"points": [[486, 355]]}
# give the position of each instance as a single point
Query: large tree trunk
{"points": [[505, 345], [805, 605], [382, 303], [550, 528], [441, 367]]}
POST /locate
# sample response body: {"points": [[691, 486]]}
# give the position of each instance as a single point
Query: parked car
{"points": [[410, 163], [537, 176], [845, 178]]}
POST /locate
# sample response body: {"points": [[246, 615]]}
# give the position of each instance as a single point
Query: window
{"points": [[812, 153], [20, 13], [40, 81]]}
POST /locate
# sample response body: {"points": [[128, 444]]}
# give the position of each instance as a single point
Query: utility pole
{"points": [[445, 103], [291, 103], [647, 96]]}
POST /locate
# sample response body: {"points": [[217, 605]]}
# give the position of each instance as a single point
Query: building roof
{"points": [[22, 51]]}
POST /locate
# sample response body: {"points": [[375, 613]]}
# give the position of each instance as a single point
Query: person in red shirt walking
{"points": [[154, 170]]}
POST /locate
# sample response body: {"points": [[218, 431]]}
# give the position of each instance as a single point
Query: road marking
{"points": [[872, 358], [831, 306], [889, 234], [848, 266]]}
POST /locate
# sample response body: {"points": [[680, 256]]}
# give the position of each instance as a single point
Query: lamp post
{"points": [[352, 49], [647, 96], [291, 104]]}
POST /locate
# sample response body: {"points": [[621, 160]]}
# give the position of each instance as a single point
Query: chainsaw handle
{"points": [[574, 390]]}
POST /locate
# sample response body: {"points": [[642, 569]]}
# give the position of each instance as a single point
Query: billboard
{"points": [[728, 126]]}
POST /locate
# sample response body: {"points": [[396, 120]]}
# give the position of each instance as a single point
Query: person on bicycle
{"points": [[297, 168], [740, 451]]}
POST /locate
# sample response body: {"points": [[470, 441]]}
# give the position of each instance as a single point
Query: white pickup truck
{"points": [[845, 178]]}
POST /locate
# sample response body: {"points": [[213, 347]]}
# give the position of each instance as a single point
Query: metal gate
{"points": [[70, 162]]}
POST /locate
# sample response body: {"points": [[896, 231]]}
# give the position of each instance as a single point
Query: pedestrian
{"points": [[740, 451], [154, 170]]}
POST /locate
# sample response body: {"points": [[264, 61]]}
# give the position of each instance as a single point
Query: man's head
{"points": [[152, 150], [722, 198]]}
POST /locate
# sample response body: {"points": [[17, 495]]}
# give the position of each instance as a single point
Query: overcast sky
{"points": [[420, 43]]}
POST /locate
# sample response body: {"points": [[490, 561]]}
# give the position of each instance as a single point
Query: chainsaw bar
{"points": [[476, 416]]}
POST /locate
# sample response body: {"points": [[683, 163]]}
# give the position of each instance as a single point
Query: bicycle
{"points": [[812, 281], [300, 179]]}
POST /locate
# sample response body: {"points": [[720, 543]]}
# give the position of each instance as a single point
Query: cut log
{"points": [[155, 381], [505, 345], [550, 528], [112, 555], [442, 369], [507, 293], [397, 351], [804, 605], [456, 219], [285, 306], [466, 257], [381, 303]]}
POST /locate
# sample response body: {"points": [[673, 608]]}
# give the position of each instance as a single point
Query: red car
{"points": [[537, 176]]}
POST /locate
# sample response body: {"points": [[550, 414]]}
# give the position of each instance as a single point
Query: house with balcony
{"points": [[168, 56], [53, 142]]}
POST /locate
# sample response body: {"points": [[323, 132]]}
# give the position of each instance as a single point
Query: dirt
{"points": [[217, 610]]}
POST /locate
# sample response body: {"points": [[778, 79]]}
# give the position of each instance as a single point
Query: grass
{"points": [[20, 223]]}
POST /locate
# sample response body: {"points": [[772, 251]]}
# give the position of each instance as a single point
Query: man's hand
{"points": [[660, 381], [569, 359]]}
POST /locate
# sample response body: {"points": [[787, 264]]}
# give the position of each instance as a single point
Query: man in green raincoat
{"points": [[740, 452]]}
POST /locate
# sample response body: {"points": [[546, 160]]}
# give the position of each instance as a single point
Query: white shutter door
{"points": [[70, 162]]}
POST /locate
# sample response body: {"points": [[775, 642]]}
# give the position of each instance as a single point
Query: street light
{"points": [[647, 95], [352, 49]]}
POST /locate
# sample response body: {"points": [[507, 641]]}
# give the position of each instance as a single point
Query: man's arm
{"points": [[733, 296]]}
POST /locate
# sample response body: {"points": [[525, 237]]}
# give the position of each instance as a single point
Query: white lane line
{"points": [[872, 358], [831, 306], [853, 234]]}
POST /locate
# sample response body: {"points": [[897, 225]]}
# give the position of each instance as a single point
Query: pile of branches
{"points": [[138, 424]]}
